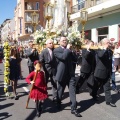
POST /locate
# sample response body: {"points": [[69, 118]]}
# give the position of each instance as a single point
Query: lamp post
{"points": [[48, 16], [83, 19], [35, 21]]}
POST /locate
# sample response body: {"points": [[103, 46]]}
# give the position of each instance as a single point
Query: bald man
{"points": [[48, 60], [103, 70]]}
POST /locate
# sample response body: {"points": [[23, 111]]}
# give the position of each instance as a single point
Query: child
{"points": [[39, 91]]}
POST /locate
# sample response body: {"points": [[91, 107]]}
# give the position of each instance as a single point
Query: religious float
{"points": [[57, 25]]}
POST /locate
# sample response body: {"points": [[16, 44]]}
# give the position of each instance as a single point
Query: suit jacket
{"points": [[64, 68], [32, 56], [88, 61], [48, 62], [103, 68]]}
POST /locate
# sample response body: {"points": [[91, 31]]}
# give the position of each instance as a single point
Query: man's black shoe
{"points": [[16, 98], [38, 114], [58, 106], [115, 90], [95, 98], [118, 90], [77, 91], [75, 112], [111, 104]]}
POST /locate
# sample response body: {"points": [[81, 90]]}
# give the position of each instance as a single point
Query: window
{"points": [[88, 34], [26, 5], [102, 33], [99, 1], [81, 4], [37, 5], [28, 17]]}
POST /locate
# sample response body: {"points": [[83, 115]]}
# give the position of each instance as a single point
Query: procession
{"points": [[59, 69]]}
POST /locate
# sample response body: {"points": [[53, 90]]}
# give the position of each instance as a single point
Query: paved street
{"points": [[11, 109]]}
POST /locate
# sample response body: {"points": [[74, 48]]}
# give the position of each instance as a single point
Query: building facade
{"points": [[23, 18], [0, 33], [103, 18], [5, 30]]}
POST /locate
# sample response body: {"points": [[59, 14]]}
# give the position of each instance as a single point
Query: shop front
{"points": [[102, 27]]}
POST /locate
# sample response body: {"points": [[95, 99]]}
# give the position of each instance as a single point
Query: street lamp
{"points": [[35, 21], [48, 15], [83, 19]]}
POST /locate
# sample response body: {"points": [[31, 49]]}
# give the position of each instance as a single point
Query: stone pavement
{"points": [[15, 110]]}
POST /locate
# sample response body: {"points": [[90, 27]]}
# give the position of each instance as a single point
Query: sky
{"points": [[7, 9]]}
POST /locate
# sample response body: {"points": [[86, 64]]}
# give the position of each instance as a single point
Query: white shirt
{"points": [[50, 52], [116, 53]]}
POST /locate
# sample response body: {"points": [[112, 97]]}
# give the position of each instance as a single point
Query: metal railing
{"points": [[86, 4], [77, 7]]}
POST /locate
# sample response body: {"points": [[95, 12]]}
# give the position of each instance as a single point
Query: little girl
{"points": [[39, 91]]}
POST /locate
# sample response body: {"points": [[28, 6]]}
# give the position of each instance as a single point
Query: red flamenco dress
{"points": [[39, 91]]}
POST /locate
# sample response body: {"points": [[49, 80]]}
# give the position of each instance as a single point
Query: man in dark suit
{"points": [[65, 74], [48, 60], [32, 55], [103, 70], [87, 67]]}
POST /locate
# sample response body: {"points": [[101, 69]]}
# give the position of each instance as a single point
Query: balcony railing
{"points": [[86, 4], [28, 29], [32, 6], [28, 17]]}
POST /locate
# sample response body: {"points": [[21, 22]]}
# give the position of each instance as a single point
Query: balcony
{"points": [[28, 17], [32, 10], [95, 8], [77, 7], [32, 6], [86, 4], [29, 29]]}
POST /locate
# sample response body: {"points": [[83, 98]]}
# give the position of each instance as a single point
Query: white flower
{"points": [[55, 41], [65, 33]]}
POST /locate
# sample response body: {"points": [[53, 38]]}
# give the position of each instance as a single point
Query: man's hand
{"points": [[33, 50], [69, 46], [89, 45]]}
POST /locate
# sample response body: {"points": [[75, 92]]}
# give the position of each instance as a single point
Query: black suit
{"points": [[49, 63], [74, 60], [65, 74], [103, 71], [32, 57], [87, 67]]}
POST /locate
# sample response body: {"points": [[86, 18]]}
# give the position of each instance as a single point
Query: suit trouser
{"points": [[113, 81], [31, 68], [83, 77], [107, 88], [72, 91], [53, 84]]}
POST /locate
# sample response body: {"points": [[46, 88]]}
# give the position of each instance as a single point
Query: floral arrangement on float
{"points": [[74, 37], [40, 36]]}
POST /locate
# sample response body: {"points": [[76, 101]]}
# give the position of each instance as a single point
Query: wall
{"points": [[104, 21]]}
